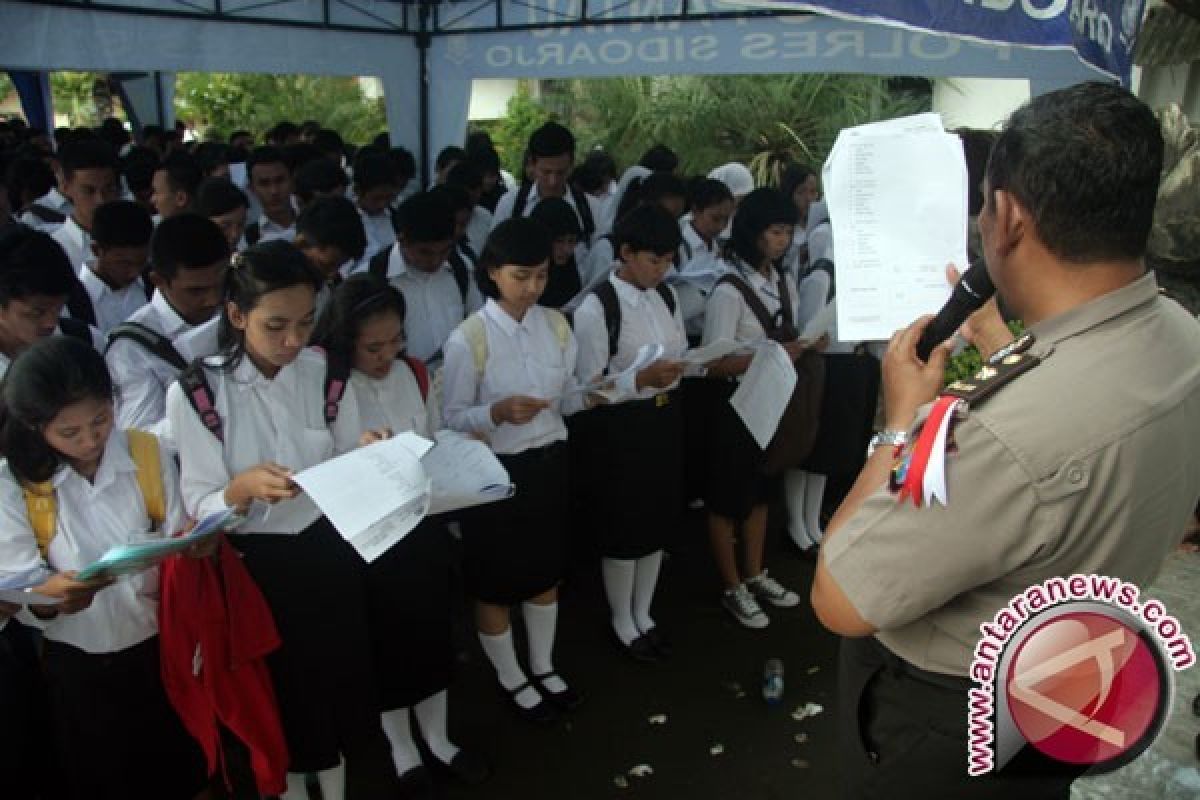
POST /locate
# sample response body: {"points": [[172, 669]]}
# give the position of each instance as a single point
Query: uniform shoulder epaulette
{"points": [[1001, 369]]}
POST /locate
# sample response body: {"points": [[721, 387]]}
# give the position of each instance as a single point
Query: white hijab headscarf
{"points": [[736, 176]]}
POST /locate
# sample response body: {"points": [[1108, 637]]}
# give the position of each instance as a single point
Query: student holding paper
{"points": [[510, 377], [245, 420], [634, 456], [72, 487], [409, 586], [737, 488]]}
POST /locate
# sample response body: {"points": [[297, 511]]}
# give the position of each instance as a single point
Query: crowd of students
{"points": [[260, 309]]}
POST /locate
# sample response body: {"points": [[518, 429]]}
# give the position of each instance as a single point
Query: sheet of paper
{"points": [[646, 354], [142, 555], [464, 472], [373, 495], [764, 392], [897, 199], [711, 352], [821, 323]]}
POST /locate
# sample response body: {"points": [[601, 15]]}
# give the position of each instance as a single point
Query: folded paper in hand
{"points": [[464, 473], [127, 559]]}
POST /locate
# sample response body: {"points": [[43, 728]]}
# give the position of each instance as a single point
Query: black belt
{"points": [[904, 669], [543, 453]]}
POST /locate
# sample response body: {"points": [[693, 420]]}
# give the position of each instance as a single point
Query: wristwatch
{"points": [[886, 438]]}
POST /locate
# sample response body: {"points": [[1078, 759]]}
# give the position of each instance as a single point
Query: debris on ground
{"points": [[716, 749], [799, 763], [801, 738], [657, 719], [807, 710], [621, 782], [813, 670], [736, 688], [641, 771]]}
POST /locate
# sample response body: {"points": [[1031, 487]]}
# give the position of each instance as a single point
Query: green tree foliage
{"points": [[74, 95], [219, 103], [510, 135], [760, 120]]}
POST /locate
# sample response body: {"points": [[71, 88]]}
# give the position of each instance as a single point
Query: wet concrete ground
{"points": [[709, 691]]}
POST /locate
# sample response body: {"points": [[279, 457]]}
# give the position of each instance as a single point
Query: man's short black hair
{"points": [[122, 223], [186, 241], [551, 140], [425, 217], [319, 177], [333, 222], [466, 175], [1085, 162], [660, 158], [183, 173], [217, 196], [329, 142], [406, 163], [458, 198], [449, 155], [372, 170], [32, 263], [27, 177], [86, 154], [518, 240], [265, 154], [648, 228]]}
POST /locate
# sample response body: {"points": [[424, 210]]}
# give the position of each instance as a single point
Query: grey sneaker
{"points": [[744, 608], [769, 589]]}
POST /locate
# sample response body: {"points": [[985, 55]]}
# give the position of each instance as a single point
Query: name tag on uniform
{"points": [[661, 400]]}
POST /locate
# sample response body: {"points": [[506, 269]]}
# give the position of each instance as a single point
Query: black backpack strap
{"points": [[47, 215], [607, 295], [200, 395], [462, 275], [150, 340], [337, 375], [76, 329], [769, 322], [378, 265], [518, 209], [465, 246], [79, 304], [668, 297], [826, 266], [252, 233], [584, 209]]}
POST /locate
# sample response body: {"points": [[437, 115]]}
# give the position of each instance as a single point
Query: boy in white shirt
{"points": [[376, 184], [111, 279], [271, 182], [89, 170]]}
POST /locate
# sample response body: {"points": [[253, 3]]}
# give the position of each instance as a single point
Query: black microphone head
{"points": [[977, 282], [973, 289]]}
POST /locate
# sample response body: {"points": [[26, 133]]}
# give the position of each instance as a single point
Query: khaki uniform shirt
{"points": [[1088, 463]]}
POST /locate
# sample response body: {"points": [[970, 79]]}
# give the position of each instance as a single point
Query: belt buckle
{"points": [[661, 400]]}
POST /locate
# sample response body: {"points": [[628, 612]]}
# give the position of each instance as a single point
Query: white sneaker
{"points": [[769, 589], [744, 608]]}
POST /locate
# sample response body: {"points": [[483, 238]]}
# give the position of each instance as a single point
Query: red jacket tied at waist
{"points": [[213, 661]]}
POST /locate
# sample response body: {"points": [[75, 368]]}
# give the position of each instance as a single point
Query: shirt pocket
{"points": [[548, 380]]}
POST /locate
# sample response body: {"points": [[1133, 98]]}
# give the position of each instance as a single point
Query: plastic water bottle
{"points": [[772, 687]]}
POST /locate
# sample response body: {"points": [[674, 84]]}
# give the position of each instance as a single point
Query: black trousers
{"points": [[903, 734]]}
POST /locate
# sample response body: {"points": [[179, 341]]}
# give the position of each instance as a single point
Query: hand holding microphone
{"points": [[973, 289]]}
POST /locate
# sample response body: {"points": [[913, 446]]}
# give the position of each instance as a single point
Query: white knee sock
{"points": [[618, 574], [333, 782], [405, 754], [795, 482], [645, 579], [432, 715], [503, 655], [297, 787], [814, 491], [539, 628]]}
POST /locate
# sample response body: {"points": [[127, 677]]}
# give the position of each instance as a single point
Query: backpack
{"points": [[797, 432], [76, 328], [378, 267], [252, 233], [46, 215], [582, 209], [200, 395], [476, 336], [42, 507], [150, 340], [606, 293]]}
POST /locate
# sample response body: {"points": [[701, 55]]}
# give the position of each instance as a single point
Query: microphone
{"points": [[974, 289]]}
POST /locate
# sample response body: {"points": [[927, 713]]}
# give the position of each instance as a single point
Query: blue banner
{"points": [[1101, 32]]}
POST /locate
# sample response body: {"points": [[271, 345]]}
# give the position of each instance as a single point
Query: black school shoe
{"points": [[416, 784], [543, 713], [640, 649], [659, 642], [566, 700], [467, 767]]}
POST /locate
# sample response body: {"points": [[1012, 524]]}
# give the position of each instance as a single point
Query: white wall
{"points": [[978, 102]]}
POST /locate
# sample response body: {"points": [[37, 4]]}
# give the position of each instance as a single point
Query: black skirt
{"points": [[735, 479], [316, 586], [516, 549], [633, 474], [26, 758], [118, 736], [410, 600]]}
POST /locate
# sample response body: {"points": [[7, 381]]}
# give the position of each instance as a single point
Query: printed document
{"points": [[897, 199], [764, 392], [373, 495], [464, 472]]}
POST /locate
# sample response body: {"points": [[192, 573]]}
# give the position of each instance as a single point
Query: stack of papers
{"points": [[897, 199], [765, 390], [17, 589], [464, 473], [132, 558]]}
